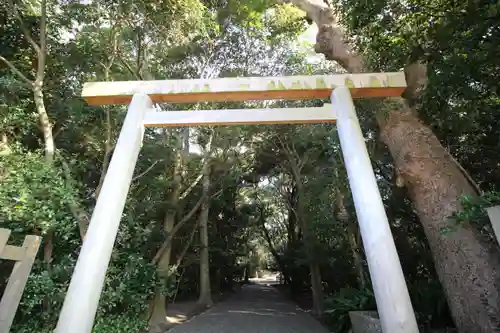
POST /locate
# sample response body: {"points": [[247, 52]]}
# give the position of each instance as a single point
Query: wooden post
{"points": [[24, 257], [494, 215], [4, 237], [393, 301], [82, 298]]}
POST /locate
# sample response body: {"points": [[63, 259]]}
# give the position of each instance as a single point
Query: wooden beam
{"points": [[246, 88], [25, 256], [240, 117], [4, 237], [11, 252]]}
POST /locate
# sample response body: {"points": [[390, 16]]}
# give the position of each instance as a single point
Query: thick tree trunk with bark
{"points": [[468, 268]]}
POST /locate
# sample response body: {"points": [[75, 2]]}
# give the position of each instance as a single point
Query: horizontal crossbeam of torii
{"points": [[246, 88], [393, 301]]}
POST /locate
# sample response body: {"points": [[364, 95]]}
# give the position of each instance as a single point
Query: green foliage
{"points": [[427, 298], [286, 20], [109, 324], [122, 41], [34, 197], [246, 13], [341, 303], [474, 213], [457, 42], [191, 39], [120, 324], [130, 283], [43, 296]]}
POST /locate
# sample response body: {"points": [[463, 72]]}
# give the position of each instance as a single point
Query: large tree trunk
{"points": [[205, 298], [352, 235], [309, 238], [45, 124], [353, 232], [163, 265], [468, 268], [163, 268], [49, 148], [43, 117]]}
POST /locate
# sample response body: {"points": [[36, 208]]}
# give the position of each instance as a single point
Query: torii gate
{"points": [[393, 301]]}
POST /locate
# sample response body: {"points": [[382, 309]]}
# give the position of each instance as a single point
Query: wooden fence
{"points": [[24, 256]]}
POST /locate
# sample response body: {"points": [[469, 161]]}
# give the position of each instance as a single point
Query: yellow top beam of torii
{"points": [[246, 88]]}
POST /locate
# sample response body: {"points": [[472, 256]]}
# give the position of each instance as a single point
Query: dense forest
{"points": [[209, 207]]}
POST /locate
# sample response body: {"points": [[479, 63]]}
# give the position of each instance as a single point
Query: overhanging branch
{"points": [[146, 171], [14, 12], [16, 71]]}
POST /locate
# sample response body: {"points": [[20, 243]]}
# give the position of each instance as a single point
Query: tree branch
{"points": [[289, 152], [42, 50], [178, 226], [16, 71], [108, 148], [14, 12], [187, 246], [78, 213], [190, 188], [138, 60], [147, 170], [107, 154], [113, 40], [127, 66], [200, 175]]}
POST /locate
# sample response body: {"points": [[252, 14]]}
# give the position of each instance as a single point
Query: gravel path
{"points": [[255, 309]]}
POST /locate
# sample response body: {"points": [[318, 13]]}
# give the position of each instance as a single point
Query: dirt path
{"points": [[255, 309]]}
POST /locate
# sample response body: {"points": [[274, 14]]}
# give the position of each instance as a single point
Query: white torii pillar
{"points": [[393, 301], [81, 301]]}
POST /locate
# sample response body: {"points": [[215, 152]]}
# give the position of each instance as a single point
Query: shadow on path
{"points": [[255, 309]]}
